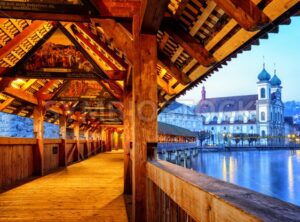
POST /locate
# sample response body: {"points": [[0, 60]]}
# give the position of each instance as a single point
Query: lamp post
{"points": [[292, 139]]}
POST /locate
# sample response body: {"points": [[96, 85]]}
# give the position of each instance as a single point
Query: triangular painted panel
{"points": [[58, 57], [77, 90]]}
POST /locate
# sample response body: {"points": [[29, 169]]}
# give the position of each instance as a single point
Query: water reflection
{"points": [[274, 173]]}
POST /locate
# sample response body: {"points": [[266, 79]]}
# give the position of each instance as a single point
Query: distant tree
{"points": [[252, 138], [236, 138], [203, 135], [243, 137]]}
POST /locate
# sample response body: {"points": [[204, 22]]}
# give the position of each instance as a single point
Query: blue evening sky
{"points": [[239, 77]]}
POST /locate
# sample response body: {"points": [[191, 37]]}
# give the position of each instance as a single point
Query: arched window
{"points": [[263, 93], [263, 133], [262, 116], [240, 118], [215, 119], [203, 119]]}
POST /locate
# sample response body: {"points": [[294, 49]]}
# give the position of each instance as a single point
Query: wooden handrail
{"points": [[207, 199], [17, 141], [70, 141], [52, 141]]}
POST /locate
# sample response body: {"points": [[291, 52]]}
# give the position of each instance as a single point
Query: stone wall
{"points": [[16, 126]]}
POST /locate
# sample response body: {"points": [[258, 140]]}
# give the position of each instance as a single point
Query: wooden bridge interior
{"points": [[104, 69]]}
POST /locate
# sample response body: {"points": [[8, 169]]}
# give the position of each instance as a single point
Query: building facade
{"points": [[181, 115], [261, 114]]}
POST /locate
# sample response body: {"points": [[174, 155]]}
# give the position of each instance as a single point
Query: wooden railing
{"points": [[178, 194], [18, 156]]}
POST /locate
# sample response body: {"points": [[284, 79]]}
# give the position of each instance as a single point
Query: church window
{"points": [[215, 119], [263, 93], [263, 116], [263, 133], [240, 118]]}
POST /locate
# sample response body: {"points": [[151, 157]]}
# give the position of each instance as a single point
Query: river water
{"points": [[274, 173]]}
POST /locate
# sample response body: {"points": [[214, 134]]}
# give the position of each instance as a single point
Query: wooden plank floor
{"points": [[87, 191]]}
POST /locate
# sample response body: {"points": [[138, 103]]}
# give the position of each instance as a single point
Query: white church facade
{"points": [[181, 115], [258, 114]]}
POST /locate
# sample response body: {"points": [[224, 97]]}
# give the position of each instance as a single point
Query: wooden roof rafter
{"points": [[106, 55], [245, 12], [14, 50], [172, 69], [189, 44], [34, 45]]}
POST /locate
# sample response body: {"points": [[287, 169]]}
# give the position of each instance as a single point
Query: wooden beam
{"points": [[116, 74], [181, 7], [189, 44], [144, 121], [164, 41], [45, 16], [116, 8], [6, 103], [38, 130], [165, 86], [102, 45], [245, 12], [114, 88], [119, 36], [48, 12], [51, 75], [21, 94], [30, 30], [47, 86], [29, 98], [5, 82], [153, 15], [3, 70], [172, 69], [127, 138]]}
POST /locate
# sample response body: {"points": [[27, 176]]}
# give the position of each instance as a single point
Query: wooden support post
{"points": [[144, 117], [63, 126], [87, 134], [62, 147], [87, 145], [127, 138], [119, 143], [112, 139], [38, 130], [108, 140], [76, 138]]}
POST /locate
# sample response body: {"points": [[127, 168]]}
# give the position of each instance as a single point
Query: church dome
{"points": [[275, 81], [264, 75]]}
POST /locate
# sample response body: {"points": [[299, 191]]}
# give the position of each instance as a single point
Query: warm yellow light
{"points": [[163, 72], [16, 83]]}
